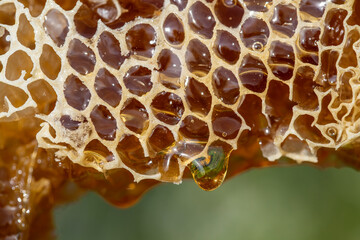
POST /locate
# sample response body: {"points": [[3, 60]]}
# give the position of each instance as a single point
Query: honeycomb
{"points": [[119, 95]]}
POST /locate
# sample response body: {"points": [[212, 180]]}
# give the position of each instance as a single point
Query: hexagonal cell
{"points": [[254, 33], [195, 130], [304, 126], [134, 116], [303, 88], [167, 107], [253, 73], [141, 40], [109, 50], [308, 41], [86, 21], [281, 60], [80, 57], [309, 38], [132, 155], [250, 109], [201, 20], [56, 26], [334, 30], [35, 7], [104, 122], [197, 57], [76, 93], [7, 13], [225, 85], [229, 12], [198, 97], [181, 4], [18, 61], [227, 47], [349, 57], [107, 11], [258, 5], [16, 96], [345, 90], [226, 124], [130, 10], [50, 62], [279, 107], [5, 41], [325, 116], [354, 19], [284, 20], [44, 96], [107, 87], [138, 80], [160, 139], [169, 69], [314, 8], [66, 4], [327, 75], [96, 151], [292, 144], [173, 29], [25, 33]]}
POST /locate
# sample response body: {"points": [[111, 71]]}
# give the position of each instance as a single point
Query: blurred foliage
{"points": [[294, 203]]}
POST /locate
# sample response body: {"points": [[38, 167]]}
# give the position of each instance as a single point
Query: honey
{"points": [[117, 96]]}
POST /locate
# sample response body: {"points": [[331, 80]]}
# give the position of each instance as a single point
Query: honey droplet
{"points": [[209, 172]]}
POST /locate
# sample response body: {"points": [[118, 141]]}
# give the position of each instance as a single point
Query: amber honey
{"points": [[119, 95]]}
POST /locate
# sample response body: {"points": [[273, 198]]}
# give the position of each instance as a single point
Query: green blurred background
{"points": [[293, 203]]}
